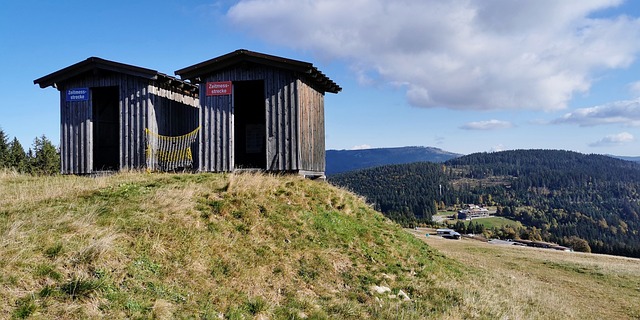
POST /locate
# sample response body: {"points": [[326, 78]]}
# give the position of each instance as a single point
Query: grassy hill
{"points": [[245, 247], [569, 285]]}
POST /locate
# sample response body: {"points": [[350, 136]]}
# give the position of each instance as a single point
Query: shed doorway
{"points": [[249, 125], [106, 128]]}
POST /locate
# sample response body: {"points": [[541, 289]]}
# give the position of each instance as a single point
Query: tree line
{"points": [[406, 193], [42, 158]]}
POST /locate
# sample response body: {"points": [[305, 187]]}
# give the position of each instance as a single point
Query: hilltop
{"points": [[248, 246], [208, 245]]}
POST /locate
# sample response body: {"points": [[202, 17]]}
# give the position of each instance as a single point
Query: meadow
{"points": [[255, 246], [544, 283]]}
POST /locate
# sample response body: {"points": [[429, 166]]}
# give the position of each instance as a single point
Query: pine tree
{"points": [[16, 157], [4, 147], [478, 228], [46, 159]]}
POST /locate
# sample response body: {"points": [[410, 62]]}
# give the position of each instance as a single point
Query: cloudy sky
{"points": [[463, 76]]}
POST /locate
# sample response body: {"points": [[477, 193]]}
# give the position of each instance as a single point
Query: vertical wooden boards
{"points": [[294, 121], [75, 131], [142, 104], [311, 106], [216, 132]]}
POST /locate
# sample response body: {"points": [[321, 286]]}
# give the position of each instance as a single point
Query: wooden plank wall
{"points": [[312, 132], [282, 122], [76, 128], [134, 118], [75, 132], [174, 113], [139, 102], [216, 153], [294, 122], [216, 132]]}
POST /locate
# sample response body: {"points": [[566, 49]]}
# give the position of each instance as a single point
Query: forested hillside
{"points": [[559, 195], [407, 193]]}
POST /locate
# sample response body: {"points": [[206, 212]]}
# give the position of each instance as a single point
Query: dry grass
{"points": [[525, 283], [246, 246]]}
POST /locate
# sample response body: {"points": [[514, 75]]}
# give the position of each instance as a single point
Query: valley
{"points": [[556, 196]]}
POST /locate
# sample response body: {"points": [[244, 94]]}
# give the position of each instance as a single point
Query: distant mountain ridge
{"points": [[348, 160], [634, 159]]}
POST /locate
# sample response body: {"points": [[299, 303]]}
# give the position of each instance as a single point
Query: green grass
{"points": [[546, 284], [490, 222], [496, 222], [204, 245], [248, 246]]}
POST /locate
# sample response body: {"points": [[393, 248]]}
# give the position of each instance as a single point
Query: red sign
{"points": [[221, 88]]}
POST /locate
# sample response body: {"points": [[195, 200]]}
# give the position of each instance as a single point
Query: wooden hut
{"points": [[107, 110], [259, 111]]}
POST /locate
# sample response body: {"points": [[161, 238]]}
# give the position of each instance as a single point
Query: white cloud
{"points": [[487, 125], [614, 140], [634, 88], [625, 112], [490, 54], [361, 147]]}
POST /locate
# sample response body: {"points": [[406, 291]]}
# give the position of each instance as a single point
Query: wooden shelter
{"points": [[107, 107], [253, 111], [261, 112]]}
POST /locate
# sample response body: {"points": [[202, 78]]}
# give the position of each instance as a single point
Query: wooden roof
{"points": [[95, 64], [196, 71]]}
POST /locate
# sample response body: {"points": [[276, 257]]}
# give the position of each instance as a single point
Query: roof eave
{"points": [[196, 71], [94, 63], [238, 56]]}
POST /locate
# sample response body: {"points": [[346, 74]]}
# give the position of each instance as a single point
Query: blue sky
{"points": [[463, 76]]}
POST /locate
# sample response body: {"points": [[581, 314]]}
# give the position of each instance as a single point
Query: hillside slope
{"points": [[208, 245], [608, 287], [406, 193], [562, 194], [348, 160], [237, 247]]}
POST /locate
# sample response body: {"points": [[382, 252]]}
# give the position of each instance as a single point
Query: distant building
{"points": [[472, 211]]}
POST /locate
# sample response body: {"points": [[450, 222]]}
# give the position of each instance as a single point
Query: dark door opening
{"points": [[106, 128], [249, 125]]}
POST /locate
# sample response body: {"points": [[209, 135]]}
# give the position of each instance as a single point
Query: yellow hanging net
{"points": [[166, 153]]}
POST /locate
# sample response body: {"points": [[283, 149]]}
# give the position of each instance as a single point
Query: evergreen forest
{"points": [[558, 196], [43, 158]]}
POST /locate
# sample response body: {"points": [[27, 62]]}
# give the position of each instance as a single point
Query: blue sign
{"points": [[78, 94]]}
